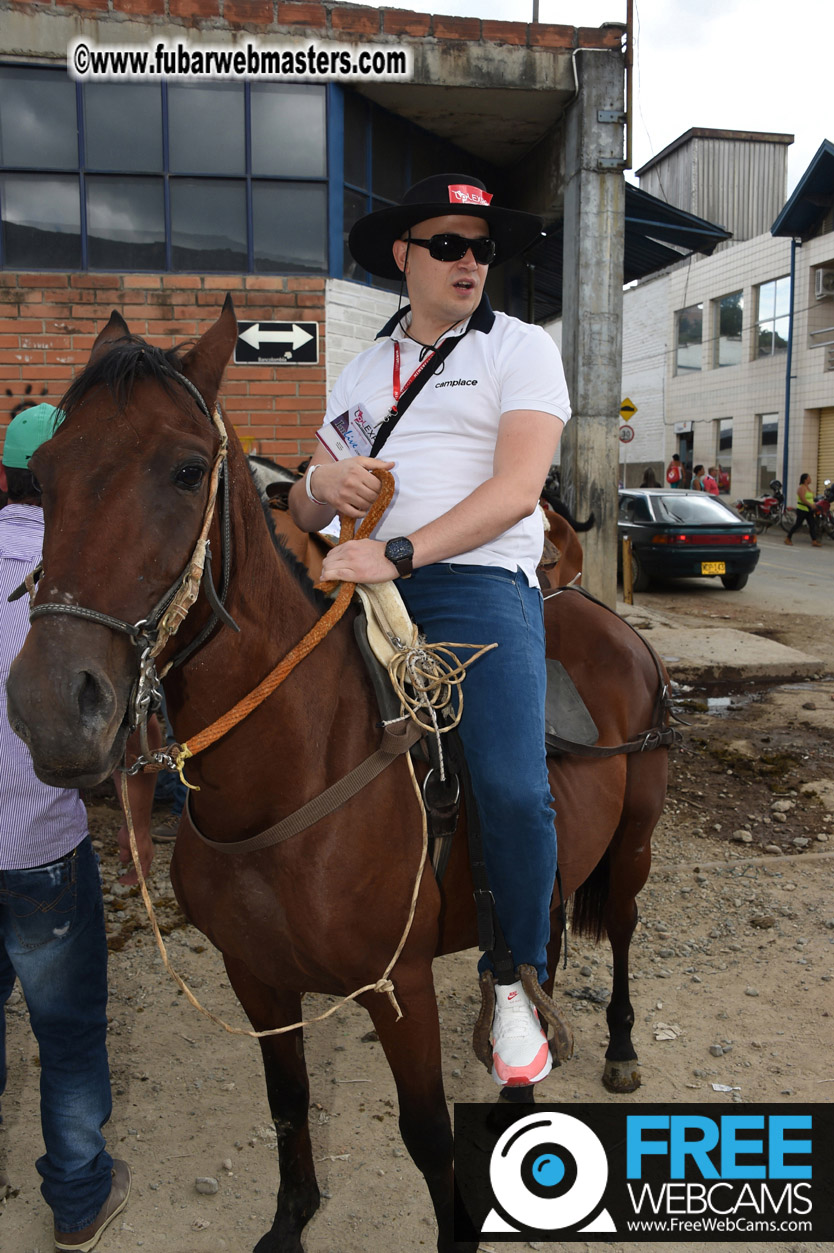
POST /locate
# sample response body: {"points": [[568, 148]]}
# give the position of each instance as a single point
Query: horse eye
{"points": [[190, 476]]}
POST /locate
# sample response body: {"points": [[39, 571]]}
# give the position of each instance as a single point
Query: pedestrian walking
{"points": [[674, 472], [804, 512]]}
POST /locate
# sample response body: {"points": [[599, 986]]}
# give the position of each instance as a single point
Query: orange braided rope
{"points": [[267, 686]]}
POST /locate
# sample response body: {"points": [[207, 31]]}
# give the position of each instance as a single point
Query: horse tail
{"points": [[585, 526], [558, 506], [589, 899]]}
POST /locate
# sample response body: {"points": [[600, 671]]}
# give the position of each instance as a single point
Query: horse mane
{"points": [[130, 360], [127, 361], [296, 568]]}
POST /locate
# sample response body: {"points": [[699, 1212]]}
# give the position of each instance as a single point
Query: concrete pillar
{"points": [[592, 311]]}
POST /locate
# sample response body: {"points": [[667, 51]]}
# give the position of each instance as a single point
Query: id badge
{"points": [[349, 435]]}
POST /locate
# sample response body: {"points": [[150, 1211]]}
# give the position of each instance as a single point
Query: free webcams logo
{"points": [[548, 1171], [644, 1172]]}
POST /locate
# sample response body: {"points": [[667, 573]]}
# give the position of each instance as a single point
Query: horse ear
{"points": [[205, 362], [115, 329]]}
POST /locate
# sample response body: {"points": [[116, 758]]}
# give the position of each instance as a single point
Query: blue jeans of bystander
{"points": [[52, 937], [502, 730]]}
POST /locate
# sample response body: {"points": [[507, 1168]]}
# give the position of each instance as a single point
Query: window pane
{"points": [[725, 454], [389, 151], [38, 128], [355, 207], [781, 328], [288, 131], [125, 224], [782, 297], [689, 338], [767, 301], [41, 221], [208, 224], [765, 340], [206, 133], [290, 223], [123, 126], [730, 318], [356, 131], [768, 439]]}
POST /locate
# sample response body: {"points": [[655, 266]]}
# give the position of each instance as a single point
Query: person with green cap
{"points": [[52, 935], [469, 405]]}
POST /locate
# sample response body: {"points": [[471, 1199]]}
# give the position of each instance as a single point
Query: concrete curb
{"points": [[699, 655]]}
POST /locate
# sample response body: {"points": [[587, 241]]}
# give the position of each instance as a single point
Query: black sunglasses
{"points": [[455, 248]]}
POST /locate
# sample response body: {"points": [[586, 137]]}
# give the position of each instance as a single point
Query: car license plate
{"points": [[713, 567]]}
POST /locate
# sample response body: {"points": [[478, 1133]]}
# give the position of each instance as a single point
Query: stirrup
{"points": [[561, 1043]]}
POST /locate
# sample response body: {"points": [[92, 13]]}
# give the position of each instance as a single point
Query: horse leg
{"points": [[412, 1048], [630, 859], [288, 1093]]}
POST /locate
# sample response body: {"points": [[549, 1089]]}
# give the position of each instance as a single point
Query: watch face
{"points": [[400, 552], [400, 549]]}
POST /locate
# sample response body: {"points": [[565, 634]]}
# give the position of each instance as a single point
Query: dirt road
{"points": [[732, 985]]}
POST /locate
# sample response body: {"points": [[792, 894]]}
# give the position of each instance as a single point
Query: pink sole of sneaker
{"points": [[540, 1068]]}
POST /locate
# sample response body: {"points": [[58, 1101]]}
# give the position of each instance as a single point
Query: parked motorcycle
{"points": [[822, 510], [763, 511]]}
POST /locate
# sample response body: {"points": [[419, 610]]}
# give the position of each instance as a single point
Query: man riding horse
{"points": [[463, 534]]}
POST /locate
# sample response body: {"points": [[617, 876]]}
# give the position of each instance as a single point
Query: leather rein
{"points": [[151, 634]]}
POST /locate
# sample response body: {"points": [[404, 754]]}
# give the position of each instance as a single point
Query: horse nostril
{"points": [[95, 699]]}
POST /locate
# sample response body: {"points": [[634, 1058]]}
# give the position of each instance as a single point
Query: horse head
{"points": [[126, 482]]}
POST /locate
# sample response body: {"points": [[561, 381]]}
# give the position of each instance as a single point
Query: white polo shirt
{"points": [[444, 444]]}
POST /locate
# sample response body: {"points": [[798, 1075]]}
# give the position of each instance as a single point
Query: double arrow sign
{"points": [[281, 343]]}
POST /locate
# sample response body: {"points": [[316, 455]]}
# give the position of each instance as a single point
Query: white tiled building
{"points": [[705, 343]]}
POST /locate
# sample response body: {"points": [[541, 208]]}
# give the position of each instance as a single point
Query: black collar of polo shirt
{"points": [[483, 319]]}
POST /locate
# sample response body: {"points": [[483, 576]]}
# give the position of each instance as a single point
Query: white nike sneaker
{"points": [[520, 1053]]}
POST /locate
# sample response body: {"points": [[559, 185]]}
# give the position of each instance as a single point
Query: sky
{"points": [[752, 65]]}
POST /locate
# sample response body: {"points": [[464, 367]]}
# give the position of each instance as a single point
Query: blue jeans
{"points": [[52, 937], [502, 730]]}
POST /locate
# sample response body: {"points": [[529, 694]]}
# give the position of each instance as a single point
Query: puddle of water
{"points": [[720, 706]]}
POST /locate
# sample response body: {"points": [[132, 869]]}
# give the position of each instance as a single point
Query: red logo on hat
{"points": [[462, 193]]}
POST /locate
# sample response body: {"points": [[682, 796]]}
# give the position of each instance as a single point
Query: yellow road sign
{"points": [[627, 409]]}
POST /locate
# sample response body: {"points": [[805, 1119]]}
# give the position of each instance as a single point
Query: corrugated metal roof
{"points": [[656, 236], [708, 132], [812, 199]]}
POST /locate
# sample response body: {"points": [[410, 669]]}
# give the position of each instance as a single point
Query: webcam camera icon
{"points": [[548, 1172]]}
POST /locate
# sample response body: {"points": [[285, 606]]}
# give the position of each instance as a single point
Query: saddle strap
{"points": [[665, 737], [395, 742]]}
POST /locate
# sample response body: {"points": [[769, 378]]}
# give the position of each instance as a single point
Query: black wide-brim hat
{"points": [[372, 237]]}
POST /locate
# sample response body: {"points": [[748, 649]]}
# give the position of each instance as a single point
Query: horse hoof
{"points": [[622, 1077]]}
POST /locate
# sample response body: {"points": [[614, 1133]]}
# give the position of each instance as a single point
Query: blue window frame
{"points": [[164, 177], [382, 155]]}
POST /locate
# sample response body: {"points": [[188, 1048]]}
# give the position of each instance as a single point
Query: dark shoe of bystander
{"points": [[86, 1239]]}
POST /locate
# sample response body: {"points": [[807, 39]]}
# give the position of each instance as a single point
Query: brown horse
{"points": [[125, 485]]}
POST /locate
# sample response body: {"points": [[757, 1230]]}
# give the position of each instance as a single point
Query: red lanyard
{"points": [[395, 385]]}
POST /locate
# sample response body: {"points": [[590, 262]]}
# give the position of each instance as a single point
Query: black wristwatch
{"points": [[400, 552]]}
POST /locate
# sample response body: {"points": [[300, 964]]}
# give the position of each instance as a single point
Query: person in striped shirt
{"points": [[52, 935]]}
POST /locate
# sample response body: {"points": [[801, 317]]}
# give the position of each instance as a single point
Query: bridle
{"points": [[150, 635]]}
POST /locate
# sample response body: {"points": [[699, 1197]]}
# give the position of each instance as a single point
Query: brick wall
{"points": [[330, 20], [48, 323]]}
